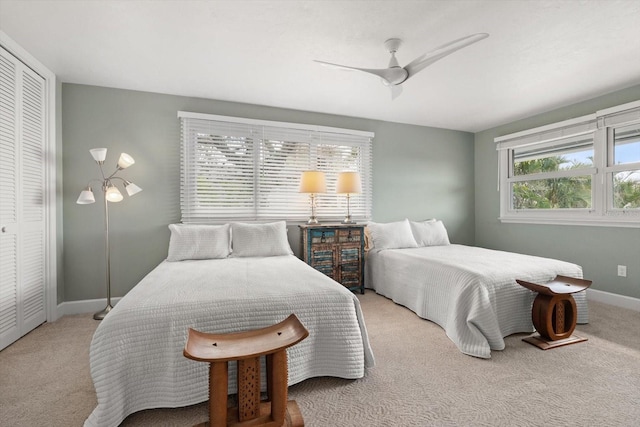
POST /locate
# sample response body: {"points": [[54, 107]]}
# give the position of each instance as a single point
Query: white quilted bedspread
{"points": [[136, 353], [470, 292]]}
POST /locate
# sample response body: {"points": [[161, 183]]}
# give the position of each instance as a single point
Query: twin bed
{"points": [[244, 276], [470, 292]]}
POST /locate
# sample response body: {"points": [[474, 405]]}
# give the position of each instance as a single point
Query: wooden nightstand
{"points": [[337, 250]]}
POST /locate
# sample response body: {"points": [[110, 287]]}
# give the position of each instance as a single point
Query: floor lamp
{"points": [[111, 194]]}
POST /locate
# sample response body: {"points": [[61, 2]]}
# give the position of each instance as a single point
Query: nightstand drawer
{"points": [[350, 235], [323, 236]]}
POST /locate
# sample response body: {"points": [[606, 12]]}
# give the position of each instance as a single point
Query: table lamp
{"points": [[348, 183], [313, 182]]}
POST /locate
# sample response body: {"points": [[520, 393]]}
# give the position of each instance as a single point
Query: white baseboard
{"points": [[614, 299], [95, 305], [84, 306]]}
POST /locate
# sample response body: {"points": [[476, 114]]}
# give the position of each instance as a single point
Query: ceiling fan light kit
{"points": [[394, 74]]}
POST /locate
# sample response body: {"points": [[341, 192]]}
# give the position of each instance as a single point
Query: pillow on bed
{"points": [[191, 241], [391, 235], [259, 239], [430, 233]]}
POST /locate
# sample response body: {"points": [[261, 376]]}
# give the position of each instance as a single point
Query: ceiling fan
{"points": [[394, 74]]}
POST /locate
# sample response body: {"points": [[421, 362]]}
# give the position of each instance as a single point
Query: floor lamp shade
{"points": [[86, 197], [99, 154], [313, 182], [125, 161], [111, 194], [131, 188]]}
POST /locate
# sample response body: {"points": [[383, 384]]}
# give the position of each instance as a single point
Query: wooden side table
{"points": [[554, 312], [336, 250], [246, 348]]}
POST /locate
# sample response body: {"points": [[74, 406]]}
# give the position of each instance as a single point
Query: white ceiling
{"points": [[541, 55]]}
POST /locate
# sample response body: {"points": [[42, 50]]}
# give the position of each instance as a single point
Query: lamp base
{"points": [[313, 220], [102, 314], [348, 220]]}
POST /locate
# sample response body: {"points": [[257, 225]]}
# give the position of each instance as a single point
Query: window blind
{"points": [[242, 169], [558, 131], [557, 147]]}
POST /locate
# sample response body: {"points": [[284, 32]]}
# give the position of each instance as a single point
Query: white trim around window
{"points": [[594, 159]]}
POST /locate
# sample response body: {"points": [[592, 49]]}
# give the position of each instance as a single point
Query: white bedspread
{"points": [[136, 353], [470, 292]]}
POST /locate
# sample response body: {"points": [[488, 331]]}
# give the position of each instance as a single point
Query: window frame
{"points": [[611, 168], [304, 142], [601, 126]]}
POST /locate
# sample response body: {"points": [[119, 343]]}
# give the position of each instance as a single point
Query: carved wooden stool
{"points": [[554, 311], [247, 348]]}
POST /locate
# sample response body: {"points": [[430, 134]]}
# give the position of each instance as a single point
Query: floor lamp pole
{"points": [[101, 314]]}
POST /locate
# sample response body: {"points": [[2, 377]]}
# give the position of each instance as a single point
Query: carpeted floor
{"points": [[420, 378]]}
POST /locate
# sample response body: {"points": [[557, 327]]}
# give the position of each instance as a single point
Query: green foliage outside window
{"points": [[626, 190], [553, 193], [569, 192]]}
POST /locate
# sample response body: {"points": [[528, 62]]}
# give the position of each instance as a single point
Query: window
{"points": [[580, 171], [241, 169], [555, 175], [625, 167]]}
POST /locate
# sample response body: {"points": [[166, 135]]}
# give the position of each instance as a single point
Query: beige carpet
{"points": [[420, 379]]}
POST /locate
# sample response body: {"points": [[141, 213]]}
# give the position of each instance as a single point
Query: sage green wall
{"points": [[599, 250], [421, 173], [418, 173]]}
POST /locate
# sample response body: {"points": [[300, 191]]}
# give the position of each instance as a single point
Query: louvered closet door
{"points": [[22, 213]]}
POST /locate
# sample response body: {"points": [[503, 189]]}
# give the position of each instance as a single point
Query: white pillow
{"points": [[191, 241], [430, 233], [259, 239], [391, 235]]}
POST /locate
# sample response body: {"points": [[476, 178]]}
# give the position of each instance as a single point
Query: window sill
{"points": [[627, 222]]}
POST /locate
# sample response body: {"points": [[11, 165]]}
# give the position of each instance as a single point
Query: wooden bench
{"points": [[247, 348]]}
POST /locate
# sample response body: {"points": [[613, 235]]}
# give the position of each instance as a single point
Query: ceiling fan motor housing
{"points": [[395, 74]]}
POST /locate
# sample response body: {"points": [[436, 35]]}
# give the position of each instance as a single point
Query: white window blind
{"points": [[241, 169], [557, 131]]}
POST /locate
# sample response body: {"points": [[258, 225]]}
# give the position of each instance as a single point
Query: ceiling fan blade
{"points": [[387, 74], [440, 52], [396, 90], [332, 65]]}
